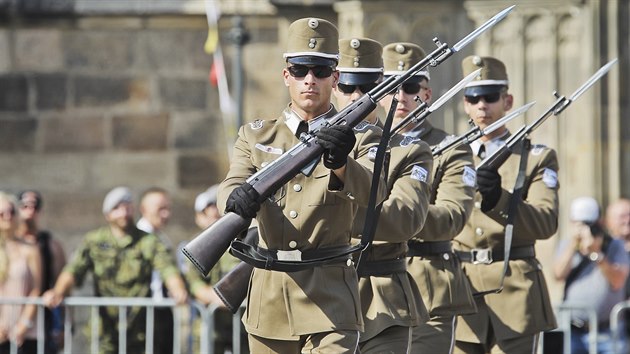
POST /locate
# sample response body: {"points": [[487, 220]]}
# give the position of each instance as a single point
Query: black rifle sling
{"points": [[512, 210], [381, 165]]}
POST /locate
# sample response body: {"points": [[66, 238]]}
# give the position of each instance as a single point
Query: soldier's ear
{"points": [[508, 102], [285, 76]]}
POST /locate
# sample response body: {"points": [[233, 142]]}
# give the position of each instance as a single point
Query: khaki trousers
{"points": [[338, 342], [519, 345], [393, 340], [437, 336]]}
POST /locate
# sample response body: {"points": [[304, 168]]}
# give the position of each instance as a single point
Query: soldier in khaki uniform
{"points": [[437, 273], [388, 294], [317, 309], [121, 259], [508, 321]]}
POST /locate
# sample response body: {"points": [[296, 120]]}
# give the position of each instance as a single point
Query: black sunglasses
{"points": [[365, 88], [489, 98], [320, 71], [410, 88]]}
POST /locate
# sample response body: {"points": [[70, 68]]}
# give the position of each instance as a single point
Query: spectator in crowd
{"points": [[206, 214], [20, 276], [121, 259], [594, 267], [53, 260], [618, 221], [155, 209]]}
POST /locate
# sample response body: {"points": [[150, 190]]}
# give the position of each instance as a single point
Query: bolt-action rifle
{"points": [[496, 159], [206, 248]]}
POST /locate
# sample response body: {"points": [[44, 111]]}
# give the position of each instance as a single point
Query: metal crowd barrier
{"points": [[207, 314], [564, 324], [615, 324]]}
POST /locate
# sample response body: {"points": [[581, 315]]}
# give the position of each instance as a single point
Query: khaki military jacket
{"points": [[442, 283], [304, 214], [523, 307], [391, 300], [121, 267]]}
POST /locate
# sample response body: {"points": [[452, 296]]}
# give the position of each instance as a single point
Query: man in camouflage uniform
{"points": [[121, 259], [509, 320], [443, 287], [316, 309], [388, 294]]}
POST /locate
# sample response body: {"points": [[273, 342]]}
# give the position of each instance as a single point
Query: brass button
{"points": [[479, 231], [293, 214], [478, 205], [349, 262], [297, 187], [292, 244], [446, 256]]}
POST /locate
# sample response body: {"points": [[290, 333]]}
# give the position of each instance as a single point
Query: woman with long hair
{"points": [[20, 276]]}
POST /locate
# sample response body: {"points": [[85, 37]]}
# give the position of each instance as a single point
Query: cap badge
{"points": [[401, 65], [400, 48], [312, 43], [477, 60], [355, 43], [356, 62], [313, 23]]}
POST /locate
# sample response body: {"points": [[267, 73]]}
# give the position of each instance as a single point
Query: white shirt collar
{"points": [[491, 145], [292, 120]]}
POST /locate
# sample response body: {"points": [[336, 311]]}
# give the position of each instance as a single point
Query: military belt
{"points": [[289, 261], [489, 255], [427, 249], [381, 268]]}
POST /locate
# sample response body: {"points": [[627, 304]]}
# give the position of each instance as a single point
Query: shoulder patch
{"points": [[372, 153], [419, 173], [361, 126], [257, 124], [408, 140], [537, 149], [550, 178], [469, 177]]}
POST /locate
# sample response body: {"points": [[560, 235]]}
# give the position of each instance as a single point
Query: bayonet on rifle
{"points": [[496, 159]]}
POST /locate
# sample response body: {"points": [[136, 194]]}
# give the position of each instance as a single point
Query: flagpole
{"points": [[239, 36]]}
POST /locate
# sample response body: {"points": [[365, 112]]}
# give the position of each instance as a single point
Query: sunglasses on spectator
{"points": [[351, 88], [489, 98], [319, 71]]}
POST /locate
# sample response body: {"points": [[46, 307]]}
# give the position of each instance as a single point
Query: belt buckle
{"points": [[294, 255], [481, 255]]}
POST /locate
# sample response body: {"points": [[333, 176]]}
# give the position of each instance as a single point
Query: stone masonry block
{"points": [[66, 172], [138, 170], [38, 49], [197, 131], [99, 50], [140, 132], [100, 91], [51, 91], [5, 54], [18, 134], [174, 51], [184, 94], [195, 171], [13, 92], [75, 134]]}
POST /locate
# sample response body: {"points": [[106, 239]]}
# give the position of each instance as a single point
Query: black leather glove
{"points": [[243, 201], [489, 185], [338, 140]]}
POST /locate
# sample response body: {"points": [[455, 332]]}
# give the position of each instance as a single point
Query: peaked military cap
{"points": [[360, 61], [312, 41], [493, 77], [400, 57]]}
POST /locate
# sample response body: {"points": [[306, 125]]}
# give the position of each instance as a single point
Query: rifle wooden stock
{"points": [[205, 250], [232, 288]]}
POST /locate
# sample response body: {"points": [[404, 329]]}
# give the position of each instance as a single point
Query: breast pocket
{"points": [[317, 189], [105, 263]]}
